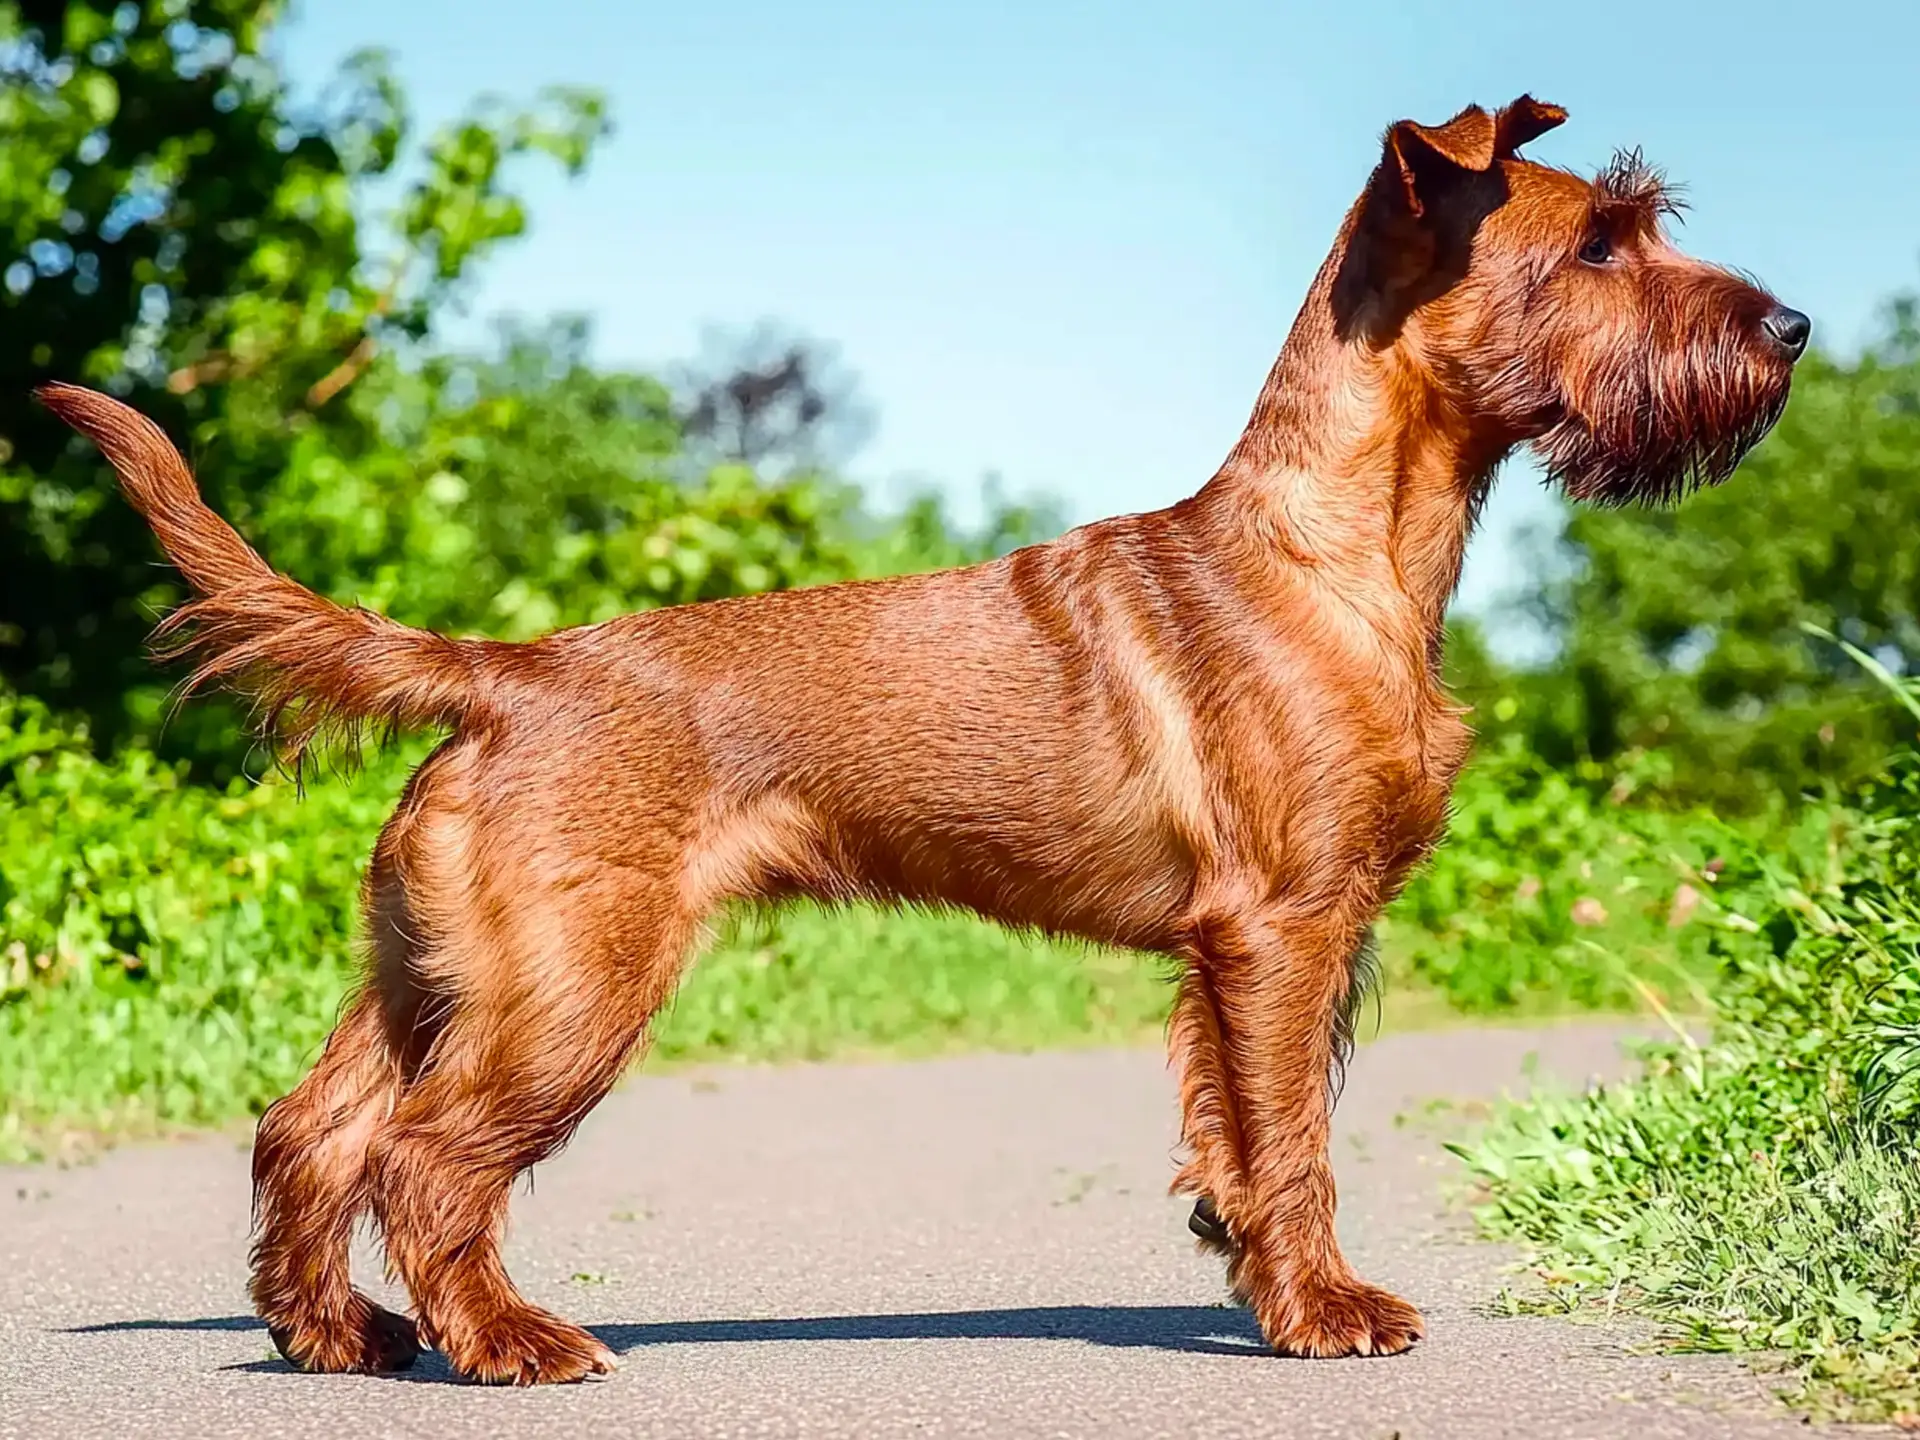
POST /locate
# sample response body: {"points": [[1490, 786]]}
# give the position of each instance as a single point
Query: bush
{"points": [[1555, 890], [173, 955], [167, 952], [1760, 1191]]}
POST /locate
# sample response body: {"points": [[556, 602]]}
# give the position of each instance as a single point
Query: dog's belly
{"points": [[929, 745], [1121, 874], [1028, 843]]}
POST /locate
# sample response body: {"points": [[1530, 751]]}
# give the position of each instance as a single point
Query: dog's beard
{"points": [[1652, 434]]}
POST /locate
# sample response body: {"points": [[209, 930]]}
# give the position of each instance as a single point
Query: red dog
{"points": [[1216, 731]]}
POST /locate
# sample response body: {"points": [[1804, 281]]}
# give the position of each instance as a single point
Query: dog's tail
{"points": [[310, 664]]}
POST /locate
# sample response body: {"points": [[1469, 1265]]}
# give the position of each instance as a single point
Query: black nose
{"points": [[1789, 330]]}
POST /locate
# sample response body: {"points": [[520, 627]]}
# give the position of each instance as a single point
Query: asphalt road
{"points": [[979, 1246]]}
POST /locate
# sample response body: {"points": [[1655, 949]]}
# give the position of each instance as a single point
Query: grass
{"points": [[797, 984], [1760, 1192], [803, 983], [173, 956], [1808, 1257]]}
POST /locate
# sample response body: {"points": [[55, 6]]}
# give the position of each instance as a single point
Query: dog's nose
{"points": [[1788, 329]]}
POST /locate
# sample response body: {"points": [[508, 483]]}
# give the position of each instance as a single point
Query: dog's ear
{"points": [[1420, 162], [1394, 248], [1525, 119]]}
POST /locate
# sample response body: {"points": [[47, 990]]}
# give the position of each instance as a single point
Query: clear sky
{"points": [[1063, 242]]}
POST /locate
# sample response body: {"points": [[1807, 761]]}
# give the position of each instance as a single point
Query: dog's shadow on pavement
{"points": [[1192, 1329], [1187, 1329]]}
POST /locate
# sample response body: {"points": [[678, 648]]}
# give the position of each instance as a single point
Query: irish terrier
{"points": [[1216, 731]]}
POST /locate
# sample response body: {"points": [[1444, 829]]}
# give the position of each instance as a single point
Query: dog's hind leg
{"points": [[309, 1183], [310, 1180], [529, 1043]]}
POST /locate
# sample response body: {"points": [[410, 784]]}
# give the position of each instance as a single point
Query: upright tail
{"points": [[310, 664]]}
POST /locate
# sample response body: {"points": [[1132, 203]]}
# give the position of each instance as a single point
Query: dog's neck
{"points": [[1357, 465]]}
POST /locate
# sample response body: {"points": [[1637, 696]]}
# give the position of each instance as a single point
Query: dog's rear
{"points": [[1216, 731], [442, 1164]]}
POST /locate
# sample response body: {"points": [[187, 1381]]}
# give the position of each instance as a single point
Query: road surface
{"points": [[979, 1246]]}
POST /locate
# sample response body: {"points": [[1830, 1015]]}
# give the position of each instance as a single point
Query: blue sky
{"points": [[1063, 242]]}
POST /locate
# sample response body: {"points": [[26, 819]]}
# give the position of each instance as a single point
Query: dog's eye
{"points": [[1596, 251]]}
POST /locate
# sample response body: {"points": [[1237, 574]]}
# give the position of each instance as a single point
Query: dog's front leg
{"points": [[1256, 1035]]}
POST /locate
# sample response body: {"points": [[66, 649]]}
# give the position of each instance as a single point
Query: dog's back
{"points": [[1215, 731]]}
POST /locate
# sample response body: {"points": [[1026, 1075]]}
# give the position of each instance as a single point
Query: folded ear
{"points": [[1394, 247], [1426, 159], [1525, 119]]}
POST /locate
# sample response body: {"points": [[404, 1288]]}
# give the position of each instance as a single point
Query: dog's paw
{"points": [[1324, 1319], [525, 1346], [368, 1340]]}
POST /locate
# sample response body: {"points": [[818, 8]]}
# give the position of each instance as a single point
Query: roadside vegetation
{"points": [[1701, 808]]}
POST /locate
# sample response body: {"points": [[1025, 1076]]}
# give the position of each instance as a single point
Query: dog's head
{"points": [[1554, 310]]}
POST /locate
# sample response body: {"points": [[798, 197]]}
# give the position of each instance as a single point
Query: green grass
{"points": [[1555, 892], [804, 983], [1759, 1192], [123, 1055], [173, 956]]}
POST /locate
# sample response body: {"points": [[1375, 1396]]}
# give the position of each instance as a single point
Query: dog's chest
{"points": [[1361, 765], [1421, 783]]}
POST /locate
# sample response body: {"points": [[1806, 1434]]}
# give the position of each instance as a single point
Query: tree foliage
{"points": [[779, 403], [177, 230], [1683, 629]]}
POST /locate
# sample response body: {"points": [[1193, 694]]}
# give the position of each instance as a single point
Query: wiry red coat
{"points": [[1216, 731]]}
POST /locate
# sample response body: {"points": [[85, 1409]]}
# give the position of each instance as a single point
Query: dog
{"points": [[1216, 731]]}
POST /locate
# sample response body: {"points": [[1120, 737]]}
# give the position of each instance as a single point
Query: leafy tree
{"points": [[779, 403], [174, 228], [513, 493], [1683, 629]]}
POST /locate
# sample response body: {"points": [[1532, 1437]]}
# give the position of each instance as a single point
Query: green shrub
{"points": [[167, 952], [1555, 890], [1760, 1191], [172, 954]]}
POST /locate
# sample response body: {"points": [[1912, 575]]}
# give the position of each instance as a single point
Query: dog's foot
{"points": [[1323, 1319], [368, 1340], [524, 1346]]}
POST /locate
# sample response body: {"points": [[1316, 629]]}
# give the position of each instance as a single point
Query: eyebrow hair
{"points": [[1630, 189]]}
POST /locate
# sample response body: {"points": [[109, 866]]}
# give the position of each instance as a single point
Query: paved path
{"points": [[979, 1246]]}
